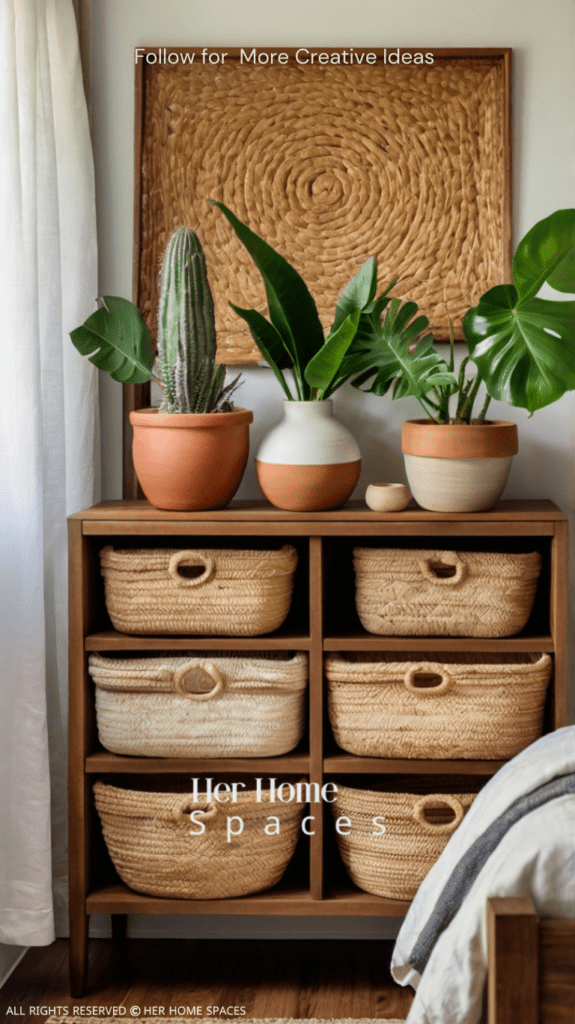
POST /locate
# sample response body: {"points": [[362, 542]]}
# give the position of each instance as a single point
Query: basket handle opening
{"points": [[428, 680], [190, 559], [447, 570], [435, 802], [188, 805], [187, 676]]}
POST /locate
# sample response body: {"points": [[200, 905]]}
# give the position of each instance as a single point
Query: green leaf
{"points": [[524, 346], [117, 340], [291, 307], [321, 370], [383, 354], [521, 362], [269, 342], [358, 293], [547, 253], [377, 307]]}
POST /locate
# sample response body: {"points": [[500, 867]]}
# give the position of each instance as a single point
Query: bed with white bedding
{"points": [[534, 857]]}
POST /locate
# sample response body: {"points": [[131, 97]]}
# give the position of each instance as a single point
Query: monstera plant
{"points": [[522, 348]]}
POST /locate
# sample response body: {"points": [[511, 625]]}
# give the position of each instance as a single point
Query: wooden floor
{"points": [[283, 978]]}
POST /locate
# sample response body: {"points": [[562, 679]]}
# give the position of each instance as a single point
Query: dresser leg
{"points": [[78, 954], [119, 928]]}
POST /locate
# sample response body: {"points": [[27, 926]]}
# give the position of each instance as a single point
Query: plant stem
{"points": [[282, 381], [481, 417], [462, 398], [467, 409], [443, 395], [298, 384], [426, 410], [451, 366]]}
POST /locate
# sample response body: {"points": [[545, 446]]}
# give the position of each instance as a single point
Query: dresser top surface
{"points": [[532, 509]]}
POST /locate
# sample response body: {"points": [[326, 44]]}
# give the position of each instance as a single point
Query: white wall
{"points": [[542, 36]]}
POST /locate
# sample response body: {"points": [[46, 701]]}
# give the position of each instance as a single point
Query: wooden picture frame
{"points": [[421, 176]]}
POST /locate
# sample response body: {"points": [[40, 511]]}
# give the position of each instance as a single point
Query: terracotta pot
{"points": [[458, 467], [309, 461], [190, 461]]}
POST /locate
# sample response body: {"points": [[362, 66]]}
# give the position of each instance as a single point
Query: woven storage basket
{"points": [[417, 829], [149, 838], [437, 706], [238, 593], [201, 704], [411, 592]]}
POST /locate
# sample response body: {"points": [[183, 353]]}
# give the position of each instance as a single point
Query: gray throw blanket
{"points": [[466, 871]]}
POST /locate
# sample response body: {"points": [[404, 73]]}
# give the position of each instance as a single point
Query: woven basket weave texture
{"points": [[236, 593], [417, 829], [148, 835], [460, 705], [330, 166], [412, 592], [201, 704]]}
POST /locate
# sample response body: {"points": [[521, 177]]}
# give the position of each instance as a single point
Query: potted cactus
{"points": [[190, 454]]}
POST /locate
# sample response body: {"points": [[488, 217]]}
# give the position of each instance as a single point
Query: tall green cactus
{"points": [[187, 332]]}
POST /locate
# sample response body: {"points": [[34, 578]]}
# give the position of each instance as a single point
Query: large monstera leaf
{"points": [[524, 346]]}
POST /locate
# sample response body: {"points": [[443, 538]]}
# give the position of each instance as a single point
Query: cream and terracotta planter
{"points": [[458, 467], [309, 461], [190, 461]]}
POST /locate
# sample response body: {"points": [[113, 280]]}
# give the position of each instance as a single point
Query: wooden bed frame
{"points": [[531, 978]]}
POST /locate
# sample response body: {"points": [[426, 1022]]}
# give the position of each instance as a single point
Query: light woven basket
{"points": [[412, 592], [417, 829], [238, 593], [437, 706], [148, 835], [201, 704]]}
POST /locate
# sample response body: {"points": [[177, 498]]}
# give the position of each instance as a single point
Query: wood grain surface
{"points": [[323, 618], [285, 978], [531, 965]]}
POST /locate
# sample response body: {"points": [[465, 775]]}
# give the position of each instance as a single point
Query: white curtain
{"points": [[49, 437]]}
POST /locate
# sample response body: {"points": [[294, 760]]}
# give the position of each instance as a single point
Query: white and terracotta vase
{"points": [[309, 461], [458, 467]]}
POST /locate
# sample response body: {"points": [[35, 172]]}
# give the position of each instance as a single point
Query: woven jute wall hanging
{"points": [[330, 163]]}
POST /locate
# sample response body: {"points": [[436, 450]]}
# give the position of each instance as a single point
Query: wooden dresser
{"points": [[322, 618]]}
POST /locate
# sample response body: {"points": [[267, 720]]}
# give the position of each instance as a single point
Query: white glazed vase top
{"points": [[309, 461], [309, 436]]}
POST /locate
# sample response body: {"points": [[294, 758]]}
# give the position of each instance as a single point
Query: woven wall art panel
{"points": [[330, 165]]}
